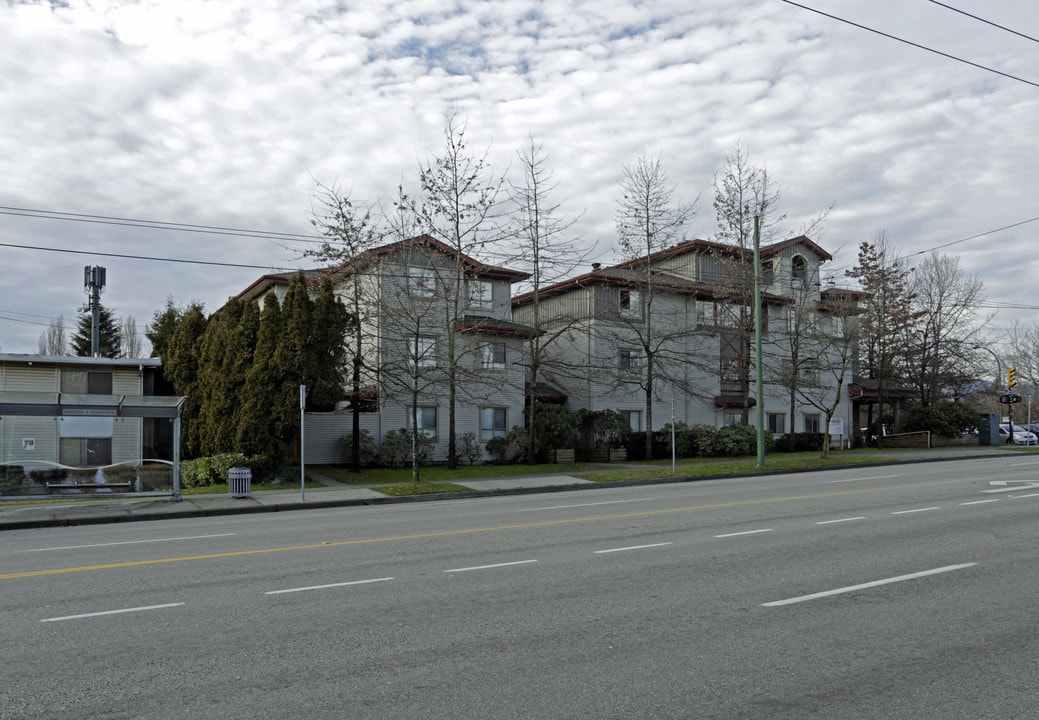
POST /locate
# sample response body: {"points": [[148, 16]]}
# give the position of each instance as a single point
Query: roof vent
{"points": [[596, 266]]}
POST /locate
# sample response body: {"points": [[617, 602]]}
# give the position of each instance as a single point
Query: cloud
{"points": [[225, 113]]}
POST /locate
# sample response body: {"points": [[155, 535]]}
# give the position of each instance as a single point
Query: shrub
{"points": [[367, 447], [803, 442], [555, 427], [395, 448], [468, 447], [603, 428], [213, 469], [498, 448], [948, 419], [739, 440]]}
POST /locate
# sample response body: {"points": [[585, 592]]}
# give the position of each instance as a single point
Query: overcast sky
{"points": [[225, 113]]}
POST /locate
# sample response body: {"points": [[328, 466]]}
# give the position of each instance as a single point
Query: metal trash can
{"points": [[239, 481]]}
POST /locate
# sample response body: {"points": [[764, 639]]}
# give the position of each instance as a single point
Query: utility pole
{"points": [[94, 285], [758, 372]]}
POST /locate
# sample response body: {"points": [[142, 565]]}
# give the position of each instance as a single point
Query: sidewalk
{"points": [[62, 511]]}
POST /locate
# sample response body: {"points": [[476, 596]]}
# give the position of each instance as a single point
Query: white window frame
{"points": [[492, 355], [732, 418], [421, 281], [86, 382], [629, 361], [481, 293], [634, 419], [425, 351], [489, 427], [629, 303], [815, 418], [776, 422], [422, 413]]}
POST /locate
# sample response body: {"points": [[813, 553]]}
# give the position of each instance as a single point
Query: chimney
{"points": [[596, 266]]}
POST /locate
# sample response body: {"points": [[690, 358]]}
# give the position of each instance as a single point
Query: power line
{"points": [[913, 44], [987, 22], [154, 224], [147, 257]]}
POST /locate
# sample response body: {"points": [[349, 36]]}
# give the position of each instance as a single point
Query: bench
{"points": [[123, 486]]}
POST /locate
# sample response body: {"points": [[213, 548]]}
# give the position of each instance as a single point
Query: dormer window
{"points": [[630, 304], [480, 293], [798, 269]]}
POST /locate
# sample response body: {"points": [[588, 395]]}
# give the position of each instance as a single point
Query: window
{"points": [[812, 423], [732, 418], [798, 269], [729, 315], [481, 294], [427, 421], [731, 375], [630, 304], [810, 372], [630, 361], [768, 273], [492, 355], [633, 418], [83, 452], [425, 351], [492, 423], [421, 281], [86, 382], [777, 423]]}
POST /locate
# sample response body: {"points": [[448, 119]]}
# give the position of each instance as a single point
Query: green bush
{"points": [[739, 440], [368, 452], [395, 448], [603, 428], [803, 442], [214, 469], [948, 419], [468, 447]]}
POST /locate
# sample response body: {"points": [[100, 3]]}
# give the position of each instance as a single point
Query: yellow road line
{"points": [[469, 531]]}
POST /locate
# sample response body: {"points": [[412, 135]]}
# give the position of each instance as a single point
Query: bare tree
{"points": [[649, 219], [130, 340], [743, 192], [886, 320], [54, 341], [460, 207], [833, 337], [545, 250], [948, 301], [349, 230]]}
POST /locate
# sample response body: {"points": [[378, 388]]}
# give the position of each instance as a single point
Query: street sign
{"points": [[1009, 399]]}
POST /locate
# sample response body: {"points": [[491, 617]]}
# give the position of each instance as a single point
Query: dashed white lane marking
{"points": [[112, 612], [1024, 496], [330, 585], [745, 532], [916, 510], [980, 502], [632, 547], [840, 520], [131, 542], [490, 567], [874, 477], [863, 586]]}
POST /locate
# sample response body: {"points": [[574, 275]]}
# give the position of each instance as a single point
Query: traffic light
{"points": [[1011, 382]]}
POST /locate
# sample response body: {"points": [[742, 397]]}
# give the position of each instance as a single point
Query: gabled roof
{"points": [[799, 240], [471, 264], [621, 276], [623, 273], [266, 282]]}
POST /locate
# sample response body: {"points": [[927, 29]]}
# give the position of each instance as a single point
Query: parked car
{"points": [[1021, 436]]}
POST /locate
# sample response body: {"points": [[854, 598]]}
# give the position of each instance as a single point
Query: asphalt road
{"points": [[894, 592]]}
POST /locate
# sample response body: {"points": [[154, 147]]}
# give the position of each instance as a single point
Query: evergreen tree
{"points": [[181, 367], [162, 327], [256, 428], [226, 355], [109, 342], [331, 324], [292, 359]]}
